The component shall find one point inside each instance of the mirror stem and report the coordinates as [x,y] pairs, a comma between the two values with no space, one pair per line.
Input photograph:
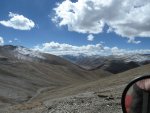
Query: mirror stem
[146,102]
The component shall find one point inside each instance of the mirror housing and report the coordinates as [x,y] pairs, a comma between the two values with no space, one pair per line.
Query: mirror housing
[136,96]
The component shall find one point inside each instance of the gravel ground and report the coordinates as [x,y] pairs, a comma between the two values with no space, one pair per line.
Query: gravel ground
[88,102]
[103,101]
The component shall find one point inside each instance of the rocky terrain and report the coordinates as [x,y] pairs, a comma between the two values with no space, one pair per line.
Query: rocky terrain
[34,82]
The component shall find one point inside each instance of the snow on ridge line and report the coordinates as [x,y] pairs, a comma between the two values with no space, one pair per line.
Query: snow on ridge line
[23,53]
[28,52]
[134,57]
[124,57]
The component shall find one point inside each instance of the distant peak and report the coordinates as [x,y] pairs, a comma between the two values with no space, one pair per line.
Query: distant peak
[11,47]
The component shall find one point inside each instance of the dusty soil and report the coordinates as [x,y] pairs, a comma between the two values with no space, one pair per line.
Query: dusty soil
[104,101]
[101,96]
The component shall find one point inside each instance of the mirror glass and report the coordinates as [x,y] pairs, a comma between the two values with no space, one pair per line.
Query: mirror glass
[136,97]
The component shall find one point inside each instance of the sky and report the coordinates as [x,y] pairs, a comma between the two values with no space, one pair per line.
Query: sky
[77,26]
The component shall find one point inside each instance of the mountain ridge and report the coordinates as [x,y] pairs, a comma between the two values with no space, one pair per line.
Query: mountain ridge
[113,63]
[33,83]
[22,74]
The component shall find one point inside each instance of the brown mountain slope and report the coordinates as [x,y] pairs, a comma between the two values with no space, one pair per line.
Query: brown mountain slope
[88,97]
[118,79]
[23,74]
[56,85]
[104,83]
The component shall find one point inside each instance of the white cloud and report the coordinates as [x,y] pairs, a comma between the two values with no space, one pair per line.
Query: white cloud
[63,49]
[77,16]
[14,40]
[132,40]
[19,22]
[127,18]
[10,41]
[101,42]
[98,49]
[1,41]
[90,37]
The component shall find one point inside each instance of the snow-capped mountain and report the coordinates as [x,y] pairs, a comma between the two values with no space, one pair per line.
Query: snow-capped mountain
[20,53]
[24,72]
[112,63]
[134,57]
[15,54]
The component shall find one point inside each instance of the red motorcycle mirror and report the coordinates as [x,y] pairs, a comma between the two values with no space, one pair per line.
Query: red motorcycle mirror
[136,96]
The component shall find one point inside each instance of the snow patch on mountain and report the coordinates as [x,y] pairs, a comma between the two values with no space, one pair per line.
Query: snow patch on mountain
[24,53]
[134,57]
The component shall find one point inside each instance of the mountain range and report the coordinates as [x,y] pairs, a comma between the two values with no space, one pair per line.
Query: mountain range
[112,63]
[31,80]
[23,72]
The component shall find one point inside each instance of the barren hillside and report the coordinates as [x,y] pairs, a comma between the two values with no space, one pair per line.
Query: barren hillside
[24,72]
[33,82]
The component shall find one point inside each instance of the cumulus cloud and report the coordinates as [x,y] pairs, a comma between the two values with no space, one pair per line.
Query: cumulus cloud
[1,41]
[90,37]
[132,40]
[64,49]
[89,50]
[127,18]
[10,41]
[19,22]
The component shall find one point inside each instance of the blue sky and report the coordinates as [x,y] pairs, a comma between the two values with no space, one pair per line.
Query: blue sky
[41,12]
